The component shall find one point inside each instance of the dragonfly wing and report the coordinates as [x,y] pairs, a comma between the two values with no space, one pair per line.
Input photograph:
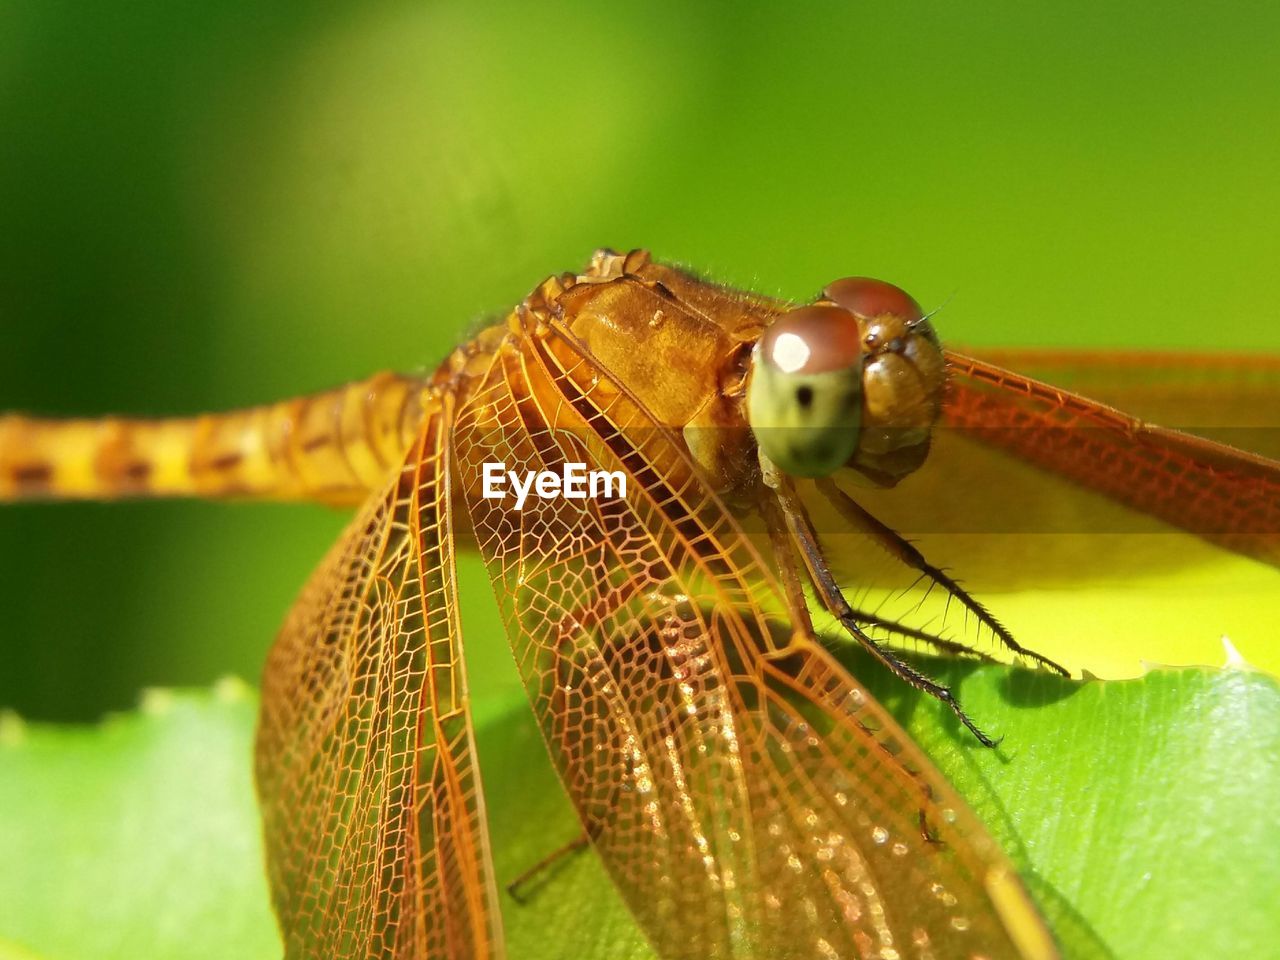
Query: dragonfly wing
[366,768]
[747,796]
[1234,399]
[1222,493]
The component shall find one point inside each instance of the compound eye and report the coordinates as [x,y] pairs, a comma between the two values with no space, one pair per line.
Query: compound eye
[812,340]
[887,312]
[868,298]
[804,400]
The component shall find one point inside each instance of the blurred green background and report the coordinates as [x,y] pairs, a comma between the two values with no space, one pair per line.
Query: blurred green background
[208,205]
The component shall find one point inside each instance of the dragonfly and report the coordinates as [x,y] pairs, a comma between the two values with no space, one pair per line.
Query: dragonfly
[747,795]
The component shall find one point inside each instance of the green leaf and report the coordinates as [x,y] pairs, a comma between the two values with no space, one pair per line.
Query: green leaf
[1141,813]
[137,838]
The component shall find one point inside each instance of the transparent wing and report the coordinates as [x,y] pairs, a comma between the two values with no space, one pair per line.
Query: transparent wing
[1232,398]
[366,769]
[748,797]
[1223,493]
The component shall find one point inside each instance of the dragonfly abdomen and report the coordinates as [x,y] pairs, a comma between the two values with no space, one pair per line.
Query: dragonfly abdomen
[333,447]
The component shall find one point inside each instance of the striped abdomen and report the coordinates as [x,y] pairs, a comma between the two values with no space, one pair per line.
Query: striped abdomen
[332,447]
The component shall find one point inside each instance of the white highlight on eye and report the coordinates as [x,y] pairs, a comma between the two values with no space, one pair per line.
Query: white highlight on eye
[790,352]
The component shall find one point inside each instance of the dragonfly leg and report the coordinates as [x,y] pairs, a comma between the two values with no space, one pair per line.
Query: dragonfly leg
[901,548]
[790,576]
[941,644]
[796,603]
[799,612]
[832,599]
[545,868]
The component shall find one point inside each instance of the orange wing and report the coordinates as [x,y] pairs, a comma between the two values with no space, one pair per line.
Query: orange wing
[1233,398]
[370,793]
[1220,492]
[747,796]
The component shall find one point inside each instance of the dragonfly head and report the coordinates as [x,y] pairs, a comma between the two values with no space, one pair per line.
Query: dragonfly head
[854,379]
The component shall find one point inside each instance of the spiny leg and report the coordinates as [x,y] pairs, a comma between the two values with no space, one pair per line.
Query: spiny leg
[832,599]
[941,644]
[798,609]
[778,539]
[907,553]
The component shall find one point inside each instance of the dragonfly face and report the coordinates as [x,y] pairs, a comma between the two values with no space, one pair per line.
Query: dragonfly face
[853,380]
